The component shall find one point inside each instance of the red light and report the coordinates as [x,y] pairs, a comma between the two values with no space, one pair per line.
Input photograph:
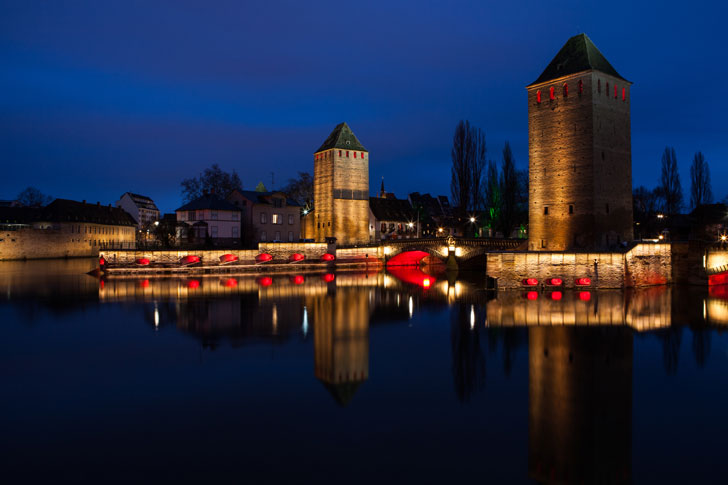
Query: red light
[538,96]
[624,94]
[230,283]
[296,257]
[190,259]
[298,279]
[530,282]
[583,282]
[581,86]
[532,295]
[144,284]
[102,261]
[193,284]
[426,283]
[265,281]
[329,277]
[556,295]
[551,93]
[101,284]
[142,262]
[566,90]
[228,258]
[328,257]
[584,295]
[615,91]
[264,258]
[555,281]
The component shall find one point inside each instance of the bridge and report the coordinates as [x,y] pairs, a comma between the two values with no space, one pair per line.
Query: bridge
[407,252]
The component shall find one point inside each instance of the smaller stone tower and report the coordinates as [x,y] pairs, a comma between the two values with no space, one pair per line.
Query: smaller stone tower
[341,188]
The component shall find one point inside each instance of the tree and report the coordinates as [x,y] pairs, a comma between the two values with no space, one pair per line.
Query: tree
[700,192]
[212,180]
[493,200]
[260,187]
[670,182]
[32,197]
[468,160]
[301,189]
[509,191]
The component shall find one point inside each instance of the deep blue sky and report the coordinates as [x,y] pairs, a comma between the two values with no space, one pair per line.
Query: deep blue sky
[136,95]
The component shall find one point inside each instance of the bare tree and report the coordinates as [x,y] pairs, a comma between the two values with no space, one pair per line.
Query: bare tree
[32,197]
[213,180]
[700,192]
[509,191]
[493,200]
[468,160]
[670,182]
[301,189]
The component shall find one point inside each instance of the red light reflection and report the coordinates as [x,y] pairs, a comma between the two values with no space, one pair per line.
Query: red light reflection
[556,295]
[585,295]
[298,279]
[413,276]
[193,284]
[230,283]
[265,281]
[329,277]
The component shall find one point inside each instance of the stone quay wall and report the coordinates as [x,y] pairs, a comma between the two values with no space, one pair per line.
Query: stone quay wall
[643,265]
[43,243]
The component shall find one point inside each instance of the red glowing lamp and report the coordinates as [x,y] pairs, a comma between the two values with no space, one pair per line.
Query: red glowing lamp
[265,281]
[426,283]
[296,257]
[584,295]
[228,258]
[329,277]
[532,295]
[555,282]
[298,279]
[193,284]
[328,257]
[263,258]
[190,259]
[230,283]
[142,262]
[530,282]
[583,282]
[556,295]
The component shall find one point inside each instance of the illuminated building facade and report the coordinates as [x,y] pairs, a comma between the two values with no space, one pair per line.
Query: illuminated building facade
[580,155]
[341,188]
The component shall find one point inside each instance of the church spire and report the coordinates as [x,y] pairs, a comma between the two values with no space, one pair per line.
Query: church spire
[382,193]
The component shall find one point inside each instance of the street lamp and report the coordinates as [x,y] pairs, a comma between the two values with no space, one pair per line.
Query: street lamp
[472,219]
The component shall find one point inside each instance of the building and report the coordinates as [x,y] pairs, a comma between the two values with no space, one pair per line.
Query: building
[64,228]
[391,218]
[341,188]
[435,214]
[211,219]
[142,208]
[267,216]
[580,162]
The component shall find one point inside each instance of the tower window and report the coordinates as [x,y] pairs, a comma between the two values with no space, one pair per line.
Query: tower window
[599,85]
[606,91]
[538,96]
[354,154]
[615,91]
[606,207]
[581,87]
[546,210]
[566,90]
[347,153]
[571,209]
[339,152]
[551,93]
[624,94]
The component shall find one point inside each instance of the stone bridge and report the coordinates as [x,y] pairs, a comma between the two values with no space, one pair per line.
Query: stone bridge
[406,252]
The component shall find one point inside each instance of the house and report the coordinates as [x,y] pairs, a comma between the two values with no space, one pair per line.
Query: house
[267,216]
[142,208]
[435,214]
[391,218]
[211,219]
[64,228]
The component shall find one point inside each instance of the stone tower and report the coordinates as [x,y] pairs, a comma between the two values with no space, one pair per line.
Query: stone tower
[580,152]
[341,188]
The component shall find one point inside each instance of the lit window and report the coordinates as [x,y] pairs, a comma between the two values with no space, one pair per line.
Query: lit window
[354,154]
[566,90]
[275,219]
[551,93]
[581,87]
[290,219]
[339,152]
[624,94]
[347,153]
[538,96]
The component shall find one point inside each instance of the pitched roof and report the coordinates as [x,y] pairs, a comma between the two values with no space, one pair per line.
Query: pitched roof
[342,137]
[343,392]
[264,197]
[211,202]
[141,200]
[385,209]
[64,210]
[577,55]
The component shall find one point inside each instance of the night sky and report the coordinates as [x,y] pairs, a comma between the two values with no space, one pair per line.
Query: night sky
[137,95]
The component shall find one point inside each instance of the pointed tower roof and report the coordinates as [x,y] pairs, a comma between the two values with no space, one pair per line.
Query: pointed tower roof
[382,193]
[342,137]
[578,54]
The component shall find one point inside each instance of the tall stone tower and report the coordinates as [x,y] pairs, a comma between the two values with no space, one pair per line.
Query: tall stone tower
[341,188]
[580,152]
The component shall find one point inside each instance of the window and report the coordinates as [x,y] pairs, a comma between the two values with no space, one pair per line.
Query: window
[347,153]
[566,90]
[615,91]
[571,209]
[354,154]
[581,87]
[276,219]
[339,152]
[538,96]
[543,243]
[213,215]
[551,93]
[290,219]
[277,236]
[263,218]
[290,236]
[263,236]
[235,231]
[546,210]
[277,202]
[329,223]
[213,231]
[319,225]
[624,94]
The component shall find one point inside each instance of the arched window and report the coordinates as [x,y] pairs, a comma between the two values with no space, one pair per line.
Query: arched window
[599,86]
[581,87]
[551,93]
[624,94]
[538,96]
[566,90]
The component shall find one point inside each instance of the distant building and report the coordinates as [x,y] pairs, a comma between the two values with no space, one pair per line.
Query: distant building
[391,218]
[142,208]
[341,188]
[267,216]
[580,155]
[63,228]
[8,203]
[434,214]
[211,219]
